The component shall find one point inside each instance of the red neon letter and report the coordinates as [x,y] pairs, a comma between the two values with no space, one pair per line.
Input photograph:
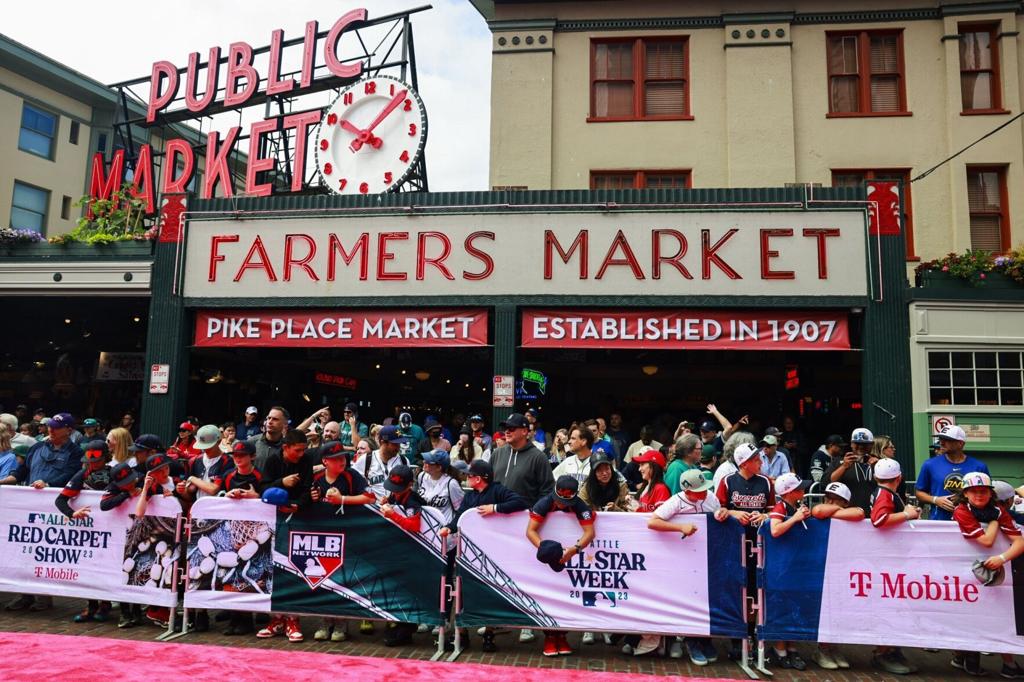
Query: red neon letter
[334,64]
[629,258]
[767,254]
[438,262]
[673,260]
[217,163]
[257,163]
[142,185]
[335,247]
[192,100]
[263,263]
[275,85]
[708,255]
[215,256]
[101,187]
[383,256]
[308,50]
[550,240]
[158,100]
[301,123]
[240,66]
[821,234]
[481,256]
[176,185]
[303,262]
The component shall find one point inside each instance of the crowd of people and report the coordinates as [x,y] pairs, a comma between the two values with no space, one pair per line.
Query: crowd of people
[714,466]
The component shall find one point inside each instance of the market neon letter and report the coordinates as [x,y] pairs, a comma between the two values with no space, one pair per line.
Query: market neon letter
[240,66]
[422,261]
[215,256]
[257,163]
[290,260]
[581,243]
[335,247]
[481,256]
[629,258]
[673,260]
[334,64]
[192,100]
[177,147]
[217,163]
[383,256]
[821,234]
[709,255]
[157,99]
[767,254]
[261,263]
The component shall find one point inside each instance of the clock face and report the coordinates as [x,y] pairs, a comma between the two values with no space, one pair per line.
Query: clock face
[371,136]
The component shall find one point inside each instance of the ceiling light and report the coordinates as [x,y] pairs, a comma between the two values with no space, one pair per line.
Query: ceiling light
[422,375]
[215,378]
[135,319]
[67,320]
[403,371]
[649,370]
[305,396]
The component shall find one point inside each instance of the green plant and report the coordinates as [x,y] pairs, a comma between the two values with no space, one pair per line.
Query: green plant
[1012,264]
[972,266]
[121,217]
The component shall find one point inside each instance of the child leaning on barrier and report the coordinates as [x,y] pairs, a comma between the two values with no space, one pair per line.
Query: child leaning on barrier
[124,485]
[981,519]
[788,511]
[836,505]
[889,508]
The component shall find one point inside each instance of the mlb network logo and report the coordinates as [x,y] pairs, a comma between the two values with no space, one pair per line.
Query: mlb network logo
[316,556]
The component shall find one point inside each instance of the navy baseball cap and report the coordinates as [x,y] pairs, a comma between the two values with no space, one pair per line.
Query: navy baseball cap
[533,412]
[391,434]
[431,423]
[566,488]
[146,441]
[243,447]
[399,479]
[516,421]
[157,461]
[550,552]
[63,420]
[124,474]
[708,426]
[332,450]
[476,418]
[479,467]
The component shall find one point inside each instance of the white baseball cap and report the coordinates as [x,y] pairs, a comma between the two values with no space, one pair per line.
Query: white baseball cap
[207,436]
[1004,491]
[862,436]
[977,479]
[743,452]
[953,432]
[887,469]
[251,410]
[787,483]
[839,490]
[694,480]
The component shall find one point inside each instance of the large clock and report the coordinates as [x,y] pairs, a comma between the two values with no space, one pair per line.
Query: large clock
[371,137]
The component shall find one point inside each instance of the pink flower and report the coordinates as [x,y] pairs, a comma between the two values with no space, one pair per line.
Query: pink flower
[945,268]
[982,275]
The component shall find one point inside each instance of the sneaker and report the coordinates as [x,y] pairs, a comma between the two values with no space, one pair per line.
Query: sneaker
[675,650]
[889,664]
[824,660]
[693,650]
[526,635]
[365,627]
[126,622]
[42,604]
[563,646]
[422,627]
[1014,672]
[158,615]
[20,603]
[710,651]
[273,628]
[839,658]
[648,644]
[797,661]
[627,649]
[972,664]
[340,633]
[588,638]
[608,638]
[397,637]
[897,654]
[291,628]
[550,645]
[782,660]
[83,617]
[322,635]
[957,661]
[488,646]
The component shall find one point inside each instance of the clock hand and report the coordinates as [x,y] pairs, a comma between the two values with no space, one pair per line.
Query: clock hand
[392,105]
[361,135]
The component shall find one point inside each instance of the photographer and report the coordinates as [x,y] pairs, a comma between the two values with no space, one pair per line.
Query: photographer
[855,470]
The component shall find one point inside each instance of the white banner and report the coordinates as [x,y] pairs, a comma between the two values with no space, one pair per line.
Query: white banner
[108,555]
[631,579]
[230,562]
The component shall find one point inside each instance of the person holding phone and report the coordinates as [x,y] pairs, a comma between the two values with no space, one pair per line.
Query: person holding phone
[855,470]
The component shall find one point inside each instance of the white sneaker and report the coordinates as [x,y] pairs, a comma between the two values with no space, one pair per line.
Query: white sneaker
[607,638]
[422,627]
[838,657]
[588,638]
[627,649]
[648,644]
[676,649]
[824,660]
[526,635]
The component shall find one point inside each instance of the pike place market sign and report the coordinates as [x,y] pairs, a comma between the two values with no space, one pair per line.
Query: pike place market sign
[590,254]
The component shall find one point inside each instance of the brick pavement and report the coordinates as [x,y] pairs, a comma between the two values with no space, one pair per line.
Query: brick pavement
[599,657]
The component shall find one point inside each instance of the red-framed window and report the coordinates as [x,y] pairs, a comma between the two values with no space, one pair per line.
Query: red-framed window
[980,86]
[866,74]
[989,208]
[854,177]
[634,79]
[640,179]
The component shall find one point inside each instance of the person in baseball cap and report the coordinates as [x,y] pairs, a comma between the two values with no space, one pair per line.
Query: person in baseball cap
[653,490]
[391,434]
[403,507]
[941,476]
[788,511]
[830,451]
[888,507]
[854,469]
[204,475]
[477,433]
[550,552]
[836,505]
[746,494]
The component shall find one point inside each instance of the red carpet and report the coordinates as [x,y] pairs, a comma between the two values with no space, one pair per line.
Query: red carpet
[33,657]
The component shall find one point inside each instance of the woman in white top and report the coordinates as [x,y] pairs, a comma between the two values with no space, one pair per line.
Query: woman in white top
[467,449]
[438,487]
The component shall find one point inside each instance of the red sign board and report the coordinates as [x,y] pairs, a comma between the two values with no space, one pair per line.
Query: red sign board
[884,208]
[686,329]
[336,380]
[341,329]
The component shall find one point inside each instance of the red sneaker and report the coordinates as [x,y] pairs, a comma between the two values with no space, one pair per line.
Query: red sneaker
[274,627]
[550,645]
[291,628]
[563,646]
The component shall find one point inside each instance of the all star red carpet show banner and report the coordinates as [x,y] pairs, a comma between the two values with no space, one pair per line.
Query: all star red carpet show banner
[686,329]
[337,328]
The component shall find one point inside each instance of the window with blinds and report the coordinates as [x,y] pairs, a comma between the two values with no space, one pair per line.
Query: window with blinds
[980,90]
[640,179]
[636,78]
[986,201]
[857,177]
[865,73]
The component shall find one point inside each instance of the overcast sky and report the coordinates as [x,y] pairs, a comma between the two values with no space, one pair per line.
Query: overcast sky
[116,40]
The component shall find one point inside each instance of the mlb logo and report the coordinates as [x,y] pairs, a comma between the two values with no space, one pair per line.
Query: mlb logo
[591,598]
[316,555]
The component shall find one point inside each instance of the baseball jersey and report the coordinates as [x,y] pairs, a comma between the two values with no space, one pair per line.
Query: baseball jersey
[406,507]
[782,510]
[940,477]
[348,483]
[681,504]
[93,480]
[970,525]
[235,480]
[753,494]
[883,503]
[375,470]
[211,471]
[653,497]
[546,505]
[445,494]
[575,467]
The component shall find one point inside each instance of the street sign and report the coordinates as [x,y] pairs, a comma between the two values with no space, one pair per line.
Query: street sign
[504,391]
[159,377]
[941,421]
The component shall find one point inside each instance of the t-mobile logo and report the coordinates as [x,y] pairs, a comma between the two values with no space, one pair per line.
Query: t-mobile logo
[860,583]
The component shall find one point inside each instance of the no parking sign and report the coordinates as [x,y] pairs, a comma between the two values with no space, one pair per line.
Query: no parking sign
[941,421]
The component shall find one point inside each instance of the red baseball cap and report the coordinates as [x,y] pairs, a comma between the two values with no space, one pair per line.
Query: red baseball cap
[187,426]
[650,455]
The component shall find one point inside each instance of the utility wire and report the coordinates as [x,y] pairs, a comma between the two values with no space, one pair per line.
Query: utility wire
[948,159]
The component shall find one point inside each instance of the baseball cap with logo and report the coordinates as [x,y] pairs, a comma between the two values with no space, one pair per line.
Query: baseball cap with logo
[332,450]
[953,432]
[835,439]
[650,455]
[839,490]
[399,479]
[787,483]
[186,426]
[743,452]
[479,467]
[146,441]
[977,479]
[516,421]
[694,481]
[887,469]
[157,461]
[566,488]
[770,440]
[207,436]
[708,426]
[62,420]
[772,431]
[251,410]
[90,422]
[391,434]
[550,552]
[477,418]
[862,436]
[124,474]
[94,451]
[243,447]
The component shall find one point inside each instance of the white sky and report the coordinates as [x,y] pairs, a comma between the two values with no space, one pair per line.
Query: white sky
[116,40]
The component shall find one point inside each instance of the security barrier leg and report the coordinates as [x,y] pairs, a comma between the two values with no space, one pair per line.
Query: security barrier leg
[744,661]
[759,606]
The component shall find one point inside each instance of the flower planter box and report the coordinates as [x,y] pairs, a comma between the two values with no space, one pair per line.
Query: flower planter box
[936,279]
[128,250]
